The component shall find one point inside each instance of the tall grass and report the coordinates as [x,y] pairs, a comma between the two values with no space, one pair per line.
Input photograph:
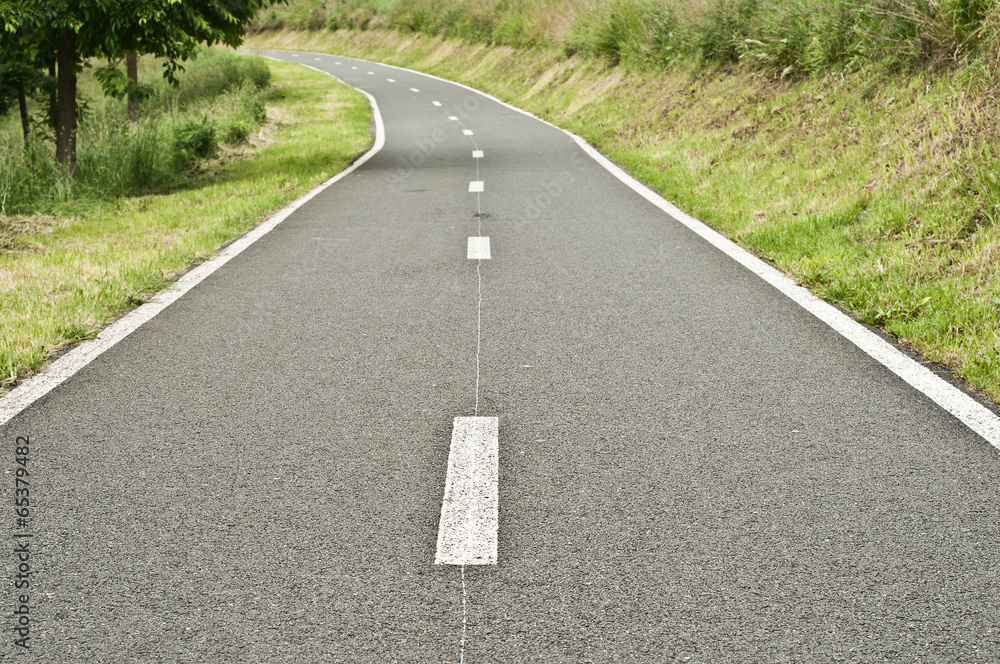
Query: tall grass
[219,98]
[781,37]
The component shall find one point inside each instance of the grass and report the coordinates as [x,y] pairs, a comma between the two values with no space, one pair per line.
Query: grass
[63,277]
[878,192]
[776,36]
[220,100]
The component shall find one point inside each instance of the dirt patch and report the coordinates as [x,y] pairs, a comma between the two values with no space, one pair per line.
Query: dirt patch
[14,231]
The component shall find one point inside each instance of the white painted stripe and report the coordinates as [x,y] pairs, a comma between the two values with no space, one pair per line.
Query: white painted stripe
[477,154]
[476,186]
[467,533]
[414,90]
[453,118]
[34,388]
[371,73]
[318,59]
[353,67]
[436,103]
[467,132]
[479,248]
[391,80]
[338,63]
[295,55]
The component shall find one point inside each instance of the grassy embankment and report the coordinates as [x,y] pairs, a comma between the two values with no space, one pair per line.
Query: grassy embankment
[854,145]
[148,201]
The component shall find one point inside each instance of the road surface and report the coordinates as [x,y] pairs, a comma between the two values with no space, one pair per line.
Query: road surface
[692,466]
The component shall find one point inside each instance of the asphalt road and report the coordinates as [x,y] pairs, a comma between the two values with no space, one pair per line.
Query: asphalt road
[693,468]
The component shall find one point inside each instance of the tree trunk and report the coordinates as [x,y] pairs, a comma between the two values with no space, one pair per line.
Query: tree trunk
[22,104]
[132,69]
[66,124]
[53,99]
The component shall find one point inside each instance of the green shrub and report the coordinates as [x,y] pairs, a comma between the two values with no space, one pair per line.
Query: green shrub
[193,140]
[780,37]
[207,76]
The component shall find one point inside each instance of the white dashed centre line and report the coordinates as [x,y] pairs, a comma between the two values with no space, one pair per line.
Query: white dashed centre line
[477,154]
[391,80]
[453,118]
[479,248]
[371,73]
[317,59]
[338,63]
[476,186]
[467,533]
[414,90]
[436,103]
[353,67]
[467,132]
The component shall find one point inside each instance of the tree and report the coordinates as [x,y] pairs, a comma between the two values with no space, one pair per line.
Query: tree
[25,50]
[83,29]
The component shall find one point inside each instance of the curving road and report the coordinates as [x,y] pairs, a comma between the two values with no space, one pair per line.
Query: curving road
[692,466]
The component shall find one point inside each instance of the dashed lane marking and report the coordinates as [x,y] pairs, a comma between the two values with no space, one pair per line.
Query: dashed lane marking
[414,90]
[479,248]
[467,532]
[477,154]
[476,186]
[467,132]
[436,103]
[963,407]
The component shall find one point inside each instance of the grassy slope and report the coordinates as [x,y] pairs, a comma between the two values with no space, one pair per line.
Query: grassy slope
[873,192]
[62,286]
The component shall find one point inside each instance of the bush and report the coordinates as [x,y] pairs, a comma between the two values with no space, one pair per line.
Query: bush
[192,140]
[780,37]
[210,74]
[239,112]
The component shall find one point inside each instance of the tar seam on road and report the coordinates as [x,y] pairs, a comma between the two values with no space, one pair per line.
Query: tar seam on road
[34,388]
[479,263]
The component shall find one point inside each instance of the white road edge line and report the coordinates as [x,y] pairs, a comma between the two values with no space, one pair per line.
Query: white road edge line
[467,532]
[967,410]
[34,388]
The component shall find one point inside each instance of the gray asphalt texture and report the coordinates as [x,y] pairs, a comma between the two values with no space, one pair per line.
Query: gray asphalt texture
[692,468]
